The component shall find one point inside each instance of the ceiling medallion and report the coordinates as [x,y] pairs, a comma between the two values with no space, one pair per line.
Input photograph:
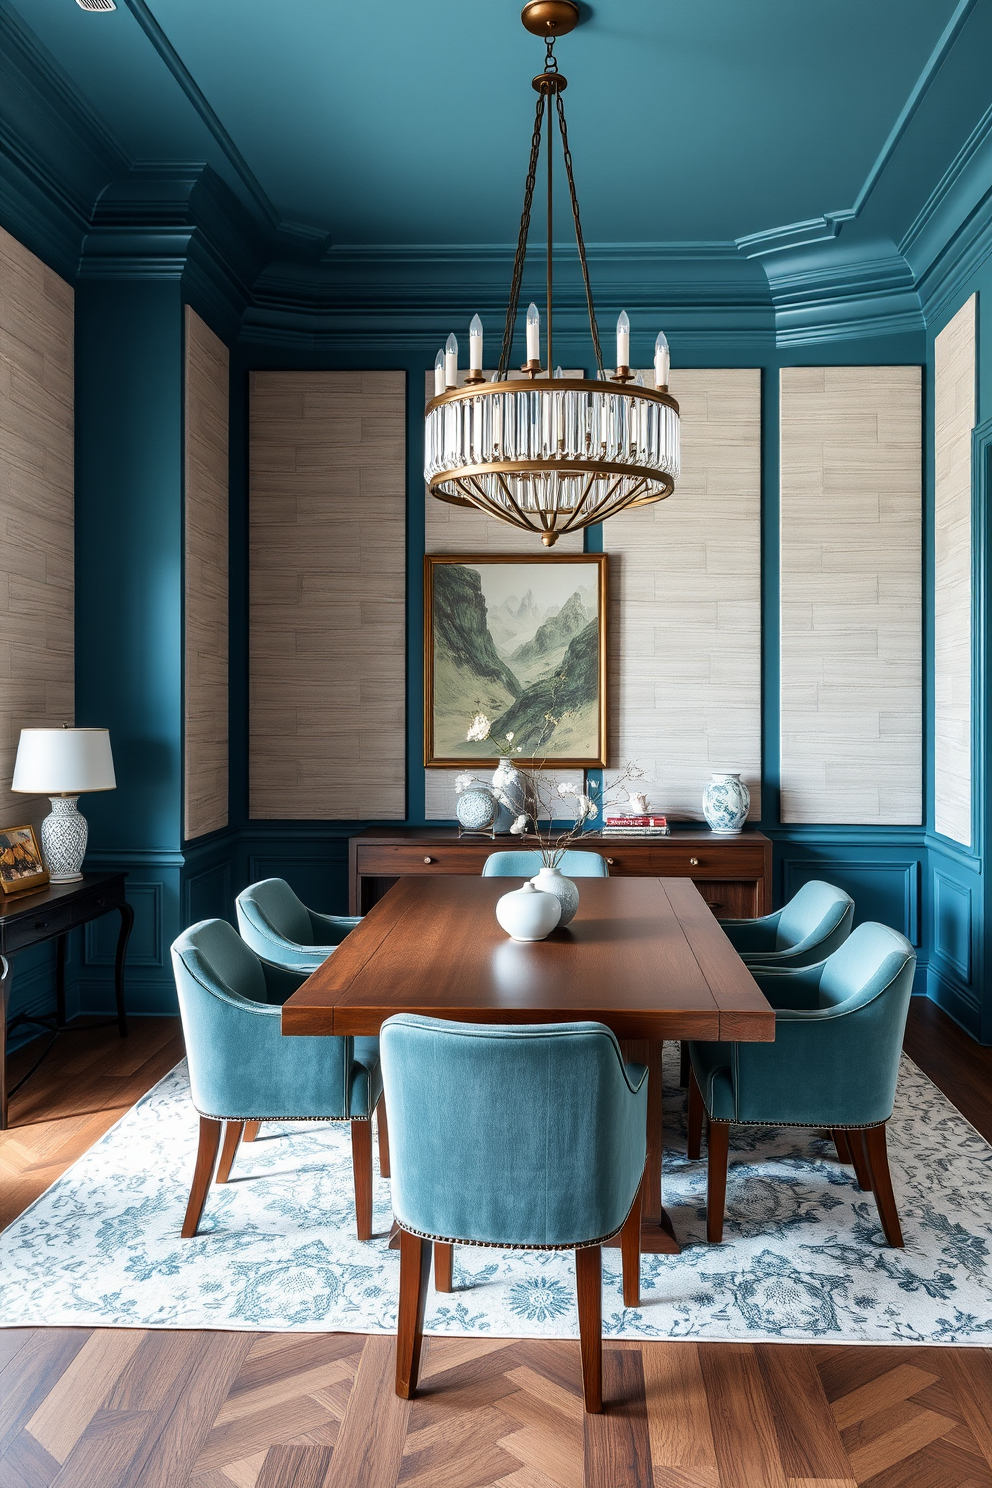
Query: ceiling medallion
[551,454]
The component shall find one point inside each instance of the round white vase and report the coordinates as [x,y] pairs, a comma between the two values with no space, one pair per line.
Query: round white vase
[528,913]
[726,800]
[551,881]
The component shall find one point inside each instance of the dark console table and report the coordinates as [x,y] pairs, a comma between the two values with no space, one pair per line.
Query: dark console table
[733,874]
[49,914]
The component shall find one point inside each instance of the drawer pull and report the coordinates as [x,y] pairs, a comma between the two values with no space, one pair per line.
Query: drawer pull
[693,862]
[610,862]
[428,860]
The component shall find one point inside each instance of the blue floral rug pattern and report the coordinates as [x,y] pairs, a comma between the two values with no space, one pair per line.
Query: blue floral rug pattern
[803,1257]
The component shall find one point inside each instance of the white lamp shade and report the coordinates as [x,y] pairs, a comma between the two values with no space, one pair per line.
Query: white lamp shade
[63,761]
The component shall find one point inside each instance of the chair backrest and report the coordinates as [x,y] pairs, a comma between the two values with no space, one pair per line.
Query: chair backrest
[270,905]
[213,953]
[819,916]
[511,1135]
[527,862]
[870,960]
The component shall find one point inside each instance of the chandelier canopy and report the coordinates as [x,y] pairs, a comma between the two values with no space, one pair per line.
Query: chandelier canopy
[549,453]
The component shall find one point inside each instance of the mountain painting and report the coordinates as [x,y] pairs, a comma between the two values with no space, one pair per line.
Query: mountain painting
[522,640]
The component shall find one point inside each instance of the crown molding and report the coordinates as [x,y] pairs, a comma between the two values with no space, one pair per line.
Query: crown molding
[949,278]
[823,228]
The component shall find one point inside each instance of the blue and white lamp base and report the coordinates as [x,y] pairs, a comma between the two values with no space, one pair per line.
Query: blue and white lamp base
[63,840]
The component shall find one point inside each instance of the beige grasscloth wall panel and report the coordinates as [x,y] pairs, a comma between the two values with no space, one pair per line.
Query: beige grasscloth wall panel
[36,509]
[954,419]
[685,639]
[328,595]
[206,724]
[455,529]
[851,729]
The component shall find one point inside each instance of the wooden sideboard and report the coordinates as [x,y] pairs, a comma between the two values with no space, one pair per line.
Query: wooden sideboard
[733,874]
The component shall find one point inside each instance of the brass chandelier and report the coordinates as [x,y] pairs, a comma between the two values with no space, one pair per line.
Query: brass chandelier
[552,454]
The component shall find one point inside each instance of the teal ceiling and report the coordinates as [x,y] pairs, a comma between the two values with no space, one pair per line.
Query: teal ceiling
[402,123]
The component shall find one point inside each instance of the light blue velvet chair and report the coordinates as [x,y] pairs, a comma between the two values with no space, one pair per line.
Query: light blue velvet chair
[279,927]
[527,862]
[835,1062]
[814,923]
[525,1137]
[243,1071]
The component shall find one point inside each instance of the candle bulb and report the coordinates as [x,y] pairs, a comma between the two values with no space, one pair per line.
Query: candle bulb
[475,344]
[623,340]
[533,333]
[451,362]
[439,374]
[662,361]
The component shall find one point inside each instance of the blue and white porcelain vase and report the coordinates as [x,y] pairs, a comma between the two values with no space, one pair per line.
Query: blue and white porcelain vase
[550,881]
[726,800]
[511,793]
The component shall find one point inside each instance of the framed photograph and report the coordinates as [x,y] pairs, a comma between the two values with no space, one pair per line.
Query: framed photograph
[21,863]
[523,641]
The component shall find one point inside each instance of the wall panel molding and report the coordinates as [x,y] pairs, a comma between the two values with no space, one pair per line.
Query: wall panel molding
[954,419]
[207,414]
[685,611]
[851,600]
[36,509]
[327,584]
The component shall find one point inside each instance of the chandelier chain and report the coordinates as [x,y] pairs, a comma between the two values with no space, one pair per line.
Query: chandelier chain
[521,253]
[579,241]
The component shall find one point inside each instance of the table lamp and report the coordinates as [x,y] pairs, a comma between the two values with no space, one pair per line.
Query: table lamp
[62,763]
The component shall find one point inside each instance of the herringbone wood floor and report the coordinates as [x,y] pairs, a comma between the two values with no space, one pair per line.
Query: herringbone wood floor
[118,1409]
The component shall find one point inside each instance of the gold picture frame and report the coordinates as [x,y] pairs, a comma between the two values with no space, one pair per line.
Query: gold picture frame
[530,673]
[21,865]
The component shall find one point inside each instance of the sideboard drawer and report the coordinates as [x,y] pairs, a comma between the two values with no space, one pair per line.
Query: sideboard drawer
[403,860]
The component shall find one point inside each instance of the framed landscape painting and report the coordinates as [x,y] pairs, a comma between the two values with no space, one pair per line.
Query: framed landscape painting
[523,641]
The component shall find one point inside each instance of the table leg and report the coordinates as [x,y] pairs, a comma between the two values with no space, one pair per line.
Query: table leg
[61,946]
[6,978]
[127,922]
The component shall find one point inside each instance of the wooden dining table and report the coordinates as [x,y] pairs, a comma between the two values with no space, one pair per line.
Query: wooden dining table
[645,956]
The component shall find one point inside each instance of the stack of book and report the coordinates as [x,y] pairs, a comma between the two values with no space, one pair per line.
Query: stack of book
[635,826]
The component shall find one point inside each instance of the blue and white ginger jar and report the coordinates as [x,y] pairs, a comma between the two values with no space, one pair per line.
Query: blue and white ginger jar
[726,801]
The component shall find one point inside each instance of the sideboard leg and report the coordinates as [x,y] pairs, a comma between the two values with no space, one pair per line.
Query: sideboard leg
[127,923]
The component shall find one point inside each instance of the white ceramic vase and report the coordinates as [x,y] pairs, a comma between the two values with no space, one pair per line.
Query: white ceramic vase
[551,881]
[528,913]
[726,800]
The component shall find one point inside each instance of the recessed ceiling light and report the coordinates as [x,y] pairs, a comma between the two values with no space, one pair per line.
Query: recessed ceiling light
[96,4]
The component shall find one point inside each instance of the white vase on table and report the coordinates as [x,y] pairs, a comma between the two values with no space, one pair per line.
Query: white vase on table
[528,913]
[552,881]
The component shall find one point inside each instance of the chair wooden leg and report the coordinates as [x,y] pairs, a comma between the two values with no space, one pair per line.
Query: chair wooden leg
[589,1290]
[229,1150]
[206,1157]
[718,1150]
[881,1181]
[862,1170]
[685,1064]
[443,1257]
[361,1163]
[842,1145]
[695,1117]
[382,1131]
[630,1252]
[415,1266]
[250,1131]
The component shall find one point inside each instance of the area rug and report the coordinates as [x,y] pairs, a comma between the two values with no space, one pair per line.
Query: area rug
[803,1259]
